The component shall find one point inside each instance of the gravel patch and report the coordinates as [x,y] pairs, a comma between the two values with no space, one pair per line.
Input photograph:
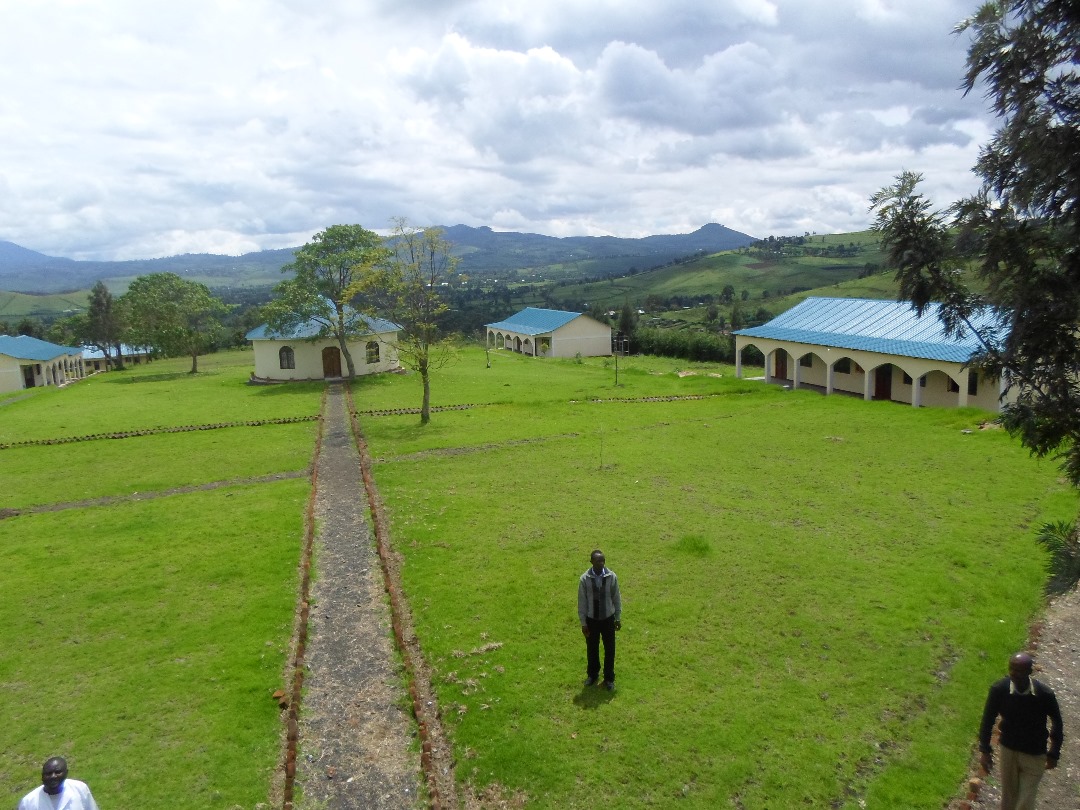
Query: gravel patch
[1056,647]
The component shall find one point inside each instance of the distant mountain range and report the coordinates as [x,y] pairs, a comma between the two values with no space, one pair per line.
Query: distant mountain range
[483,252]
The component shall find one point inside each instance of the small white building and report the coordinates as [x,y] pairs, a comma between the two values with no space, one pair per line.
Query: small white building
[301,354]
[27,362]
[95,359]
[873,349]
[551,333]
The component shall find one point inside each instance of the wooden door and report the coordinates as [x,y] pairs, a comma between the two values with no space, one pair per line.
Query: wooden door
[331,361]
[780,365]
[883,382]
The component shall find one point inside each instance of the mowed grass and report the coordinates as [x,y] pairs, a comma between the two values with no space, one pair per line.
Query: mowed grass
[143,640]
[817,591]
[159,394]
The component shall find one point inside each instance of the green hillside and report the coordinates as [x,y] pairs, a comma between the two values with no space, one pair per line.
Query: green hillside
[14,306]
[767,270]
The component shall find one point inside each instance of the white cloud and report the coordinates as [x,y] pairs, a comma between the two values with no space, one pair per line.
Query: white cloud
[135,129]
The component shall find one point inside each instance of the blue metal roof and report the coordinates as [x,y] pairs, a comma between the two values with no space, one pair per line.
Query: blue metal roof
[534,321]
[91,353]
[885,327]
[24,347]
[312,329]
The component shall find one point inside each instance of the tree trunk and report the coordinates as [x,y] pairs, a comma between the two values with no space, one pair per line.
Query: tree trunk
[119,364]
[425,408]
[194,363]
[348,357]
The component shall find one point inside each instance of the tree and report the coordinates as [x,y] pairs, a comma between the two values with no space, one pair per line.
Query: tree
[738,317]
[628,320]
[70,331]
[728,295]
[405,288]
[29,327]
[105,324]
[173,315]
[326,270]
[1019,235]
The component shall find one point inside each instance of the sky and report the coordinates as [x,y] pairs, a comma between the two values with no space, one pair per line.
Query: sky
[135,129]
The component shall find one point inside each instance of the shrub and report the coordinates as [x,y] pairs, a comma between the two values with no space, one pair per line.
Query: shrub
[1061,540]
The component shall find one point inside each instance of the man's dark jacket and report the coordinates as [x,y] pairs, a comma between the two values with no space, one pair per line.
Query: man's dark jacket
[1023,719]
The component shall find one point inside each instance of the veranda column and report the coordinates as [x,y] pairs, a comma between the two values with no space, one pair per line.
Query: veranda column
[738,362]
[962,395]
[828,378]
[867,386]
[916,392]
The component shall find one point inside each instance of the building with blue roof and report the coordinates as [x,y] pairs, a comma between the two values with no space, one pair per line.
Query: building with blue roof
[550,333]
[97,360]
[876,350]
[28,362]
[307,352]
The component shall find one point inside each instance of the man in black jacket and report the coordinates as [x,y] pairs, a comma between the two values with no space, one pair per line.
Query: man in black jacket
[1024,705]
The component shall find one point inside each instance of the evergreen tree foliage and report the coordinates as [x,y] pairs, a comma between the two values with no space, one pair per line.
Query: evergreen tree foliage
[1019,233]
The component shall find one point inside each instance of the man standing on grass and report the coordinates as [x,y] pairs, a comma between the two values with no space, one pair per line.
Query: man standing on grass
[599,608]
[1024,705]
[57,792]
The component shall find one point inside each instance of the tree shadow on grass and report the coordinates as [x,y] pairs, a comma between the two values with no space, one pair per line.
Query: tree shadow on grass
[125,379]
[593,697]
[289,389]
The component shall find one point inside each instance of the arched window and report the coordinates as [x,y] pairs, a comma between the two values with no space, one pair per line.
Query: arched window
[286,358]
[372,351]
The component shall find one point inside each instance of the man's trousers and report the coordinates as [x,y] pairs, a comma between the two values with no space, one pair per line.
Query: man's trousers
[601,629]
[1020,776]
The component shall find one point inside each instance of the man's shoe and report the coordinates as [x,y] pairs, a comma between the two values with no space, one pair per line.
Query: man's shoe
[589,682]
[609,685]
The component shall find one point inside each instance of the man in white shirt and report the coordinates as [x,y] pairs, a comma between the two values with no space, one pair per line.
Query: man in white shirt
[57,792]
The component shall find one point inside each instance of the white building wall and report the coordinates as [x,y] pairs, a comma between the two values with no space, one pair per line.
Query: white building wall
[583,335]
[11,376]
[307,356]
[934,393]
[63,369]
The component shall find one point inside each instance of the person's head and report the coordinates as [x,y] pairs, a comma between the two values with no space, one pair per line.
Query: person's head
[53,774]
[1020,667]
[597,559]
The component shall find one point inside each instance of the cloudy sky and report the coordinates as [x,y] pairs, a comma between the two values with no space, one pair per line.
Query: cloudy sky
[136,128]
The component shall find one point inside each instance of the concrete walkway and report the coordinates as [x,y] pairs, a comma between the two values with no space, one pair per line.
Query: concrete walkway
[357,744]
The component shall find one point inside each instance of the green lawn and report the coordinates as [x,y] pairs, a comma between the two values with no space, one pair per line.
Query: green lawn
[143,640]
[817,590]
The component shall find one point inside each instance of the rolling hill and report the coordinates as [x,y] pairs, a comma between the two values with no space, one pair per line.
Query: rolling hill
[482,251]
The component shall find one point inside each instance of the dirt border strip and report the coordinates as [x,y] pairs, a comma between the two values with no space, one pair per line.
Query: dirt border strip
[294,673]
[127,434]
[436,753]
[108,500]
[467,406]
